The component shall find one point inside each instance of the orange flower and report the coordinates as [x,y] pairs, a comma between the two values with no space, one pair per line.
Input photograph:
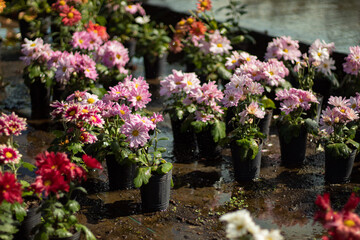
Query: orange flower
[2,5]
[197,28]
[204,5]
[99,30]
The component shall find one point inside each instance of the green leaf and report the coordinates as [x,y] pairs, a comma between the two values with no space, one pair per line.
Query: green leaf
[20,212]
[311,126]
[165,168]
[75,148]
[267,103]
[142,176]
[63,233]
[28,166]
[101,20]
[353,143]
[163,138]
[338,150]
[88,234]
[248,148]
[24,184]
[224,73]
[59,214]
[198,126]
[58,133]
[73,205]
[161,149]
[218,130]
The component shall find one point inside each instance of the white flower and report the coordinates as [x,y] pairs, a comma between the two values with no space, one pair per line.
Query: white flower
[268,235]
[326,66]
[239,223]
[142,20]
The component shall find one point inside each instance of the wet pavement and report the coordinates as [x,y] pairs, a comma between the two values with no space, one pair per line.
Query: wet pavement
[304,20]
[204,189]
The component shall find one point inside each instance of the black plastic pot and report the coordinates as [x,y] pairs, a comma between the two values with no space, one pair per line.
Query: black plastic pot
[338,170]
[75,236]
[293,153]
[120,176]
[33,218]
[245,170]
[153,69]
[206,145]
[155,195]
[184,142]
[40,100]
[131,46]
[265,123]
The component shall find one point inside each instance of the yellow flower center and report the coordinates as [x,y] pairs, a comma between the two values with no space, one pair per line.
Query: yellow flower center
[64,69]
[33,45]
[118,56]
[231,98]
[190,20]
[342,110]
[138,98]
[81,41]
[122,112]
[91,100]
[135,133]
[353,105]
[8,155]
[72,113]
[349,223]
[182,23]
[219,45]
[93,119]
[47,183]
[85,111]
[233,61]
[271,73]
[70,15]
[136,85]
[153,119]
[189,83]
[325,65]
[286,50]
[130,6]
[204,4]
[319,54]
[62,3]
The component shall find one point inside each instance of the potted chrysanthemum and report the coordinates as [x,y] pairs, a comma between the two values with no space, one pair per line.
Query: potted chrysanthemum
[242,94]
[351,67]
[337,122]
[57,178]
[293,126]
[37,77]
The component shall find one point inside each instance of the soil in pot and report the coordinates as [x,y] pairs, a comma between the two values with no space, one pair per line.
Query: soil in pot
[155,195]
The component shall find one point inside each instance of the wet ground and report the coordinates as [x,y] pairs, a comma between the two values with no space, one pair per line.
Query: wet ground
[304,20]
[204,189]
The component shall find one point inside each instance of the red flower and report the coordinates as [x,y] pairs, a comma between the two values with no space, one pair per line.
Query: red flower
[323,201]
[10,189]
[70,16]
[197,28]
[73,172]
[50,182]
[204,5]
[59,5]
[176,46]
[352,203]
[49,162]
[99,30]
[91,162]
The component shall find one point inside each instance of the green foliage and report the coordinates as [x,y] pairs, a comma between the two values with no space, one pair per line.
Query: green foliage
[248,148]
[338,150]
[288,131]
[142,176]
[8,225]
[218,130]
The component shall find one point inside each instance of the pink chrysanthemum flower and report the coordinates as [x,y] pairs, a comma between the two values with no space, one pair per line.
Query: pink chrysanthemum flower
[203,116]
[251,111]
[132,9]
[210,93]
[283,48]
[294,99]
[123,111]
[12,124]
[136,133]
[231,97]
[113,54]
[9,155]
[219,44]
[338,101]
[139,98]
[73,112]
[65,67]
[354,103]
[352,64]
[156,118]
[88,138]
